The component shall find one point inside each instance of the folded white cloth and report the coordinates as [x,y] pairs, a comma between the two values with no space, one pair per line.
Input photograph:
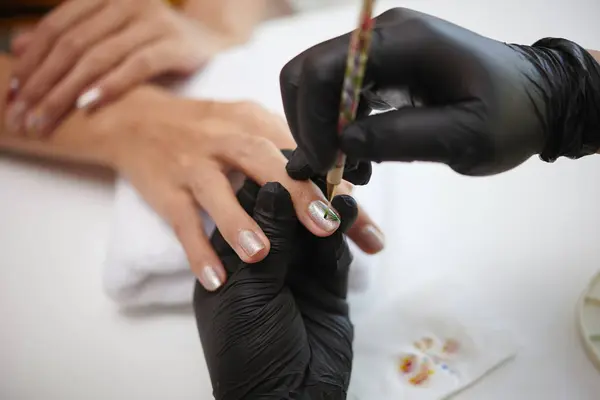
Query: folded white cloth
[430,343]
[147,266]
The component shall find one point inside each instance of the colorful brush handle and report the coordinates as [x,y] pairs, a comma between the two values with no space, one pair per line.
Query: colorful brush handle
[353,79]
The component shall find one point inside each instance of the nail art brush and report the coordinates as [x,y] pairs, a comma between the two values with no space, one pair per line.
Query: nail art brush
[353,78]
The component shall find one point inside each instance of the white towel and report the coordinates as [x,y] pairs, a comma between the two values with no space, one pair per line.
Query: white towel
[405,337]
[146,265]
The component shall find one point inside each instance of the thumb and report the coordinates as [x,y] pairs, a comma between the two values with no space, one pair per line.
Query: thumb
[438,134]
[274,212]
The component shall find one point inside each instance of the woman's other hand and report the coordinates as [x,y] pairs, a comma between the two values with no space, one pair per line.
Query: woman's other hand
[179,157]
[280,328]
[88,52]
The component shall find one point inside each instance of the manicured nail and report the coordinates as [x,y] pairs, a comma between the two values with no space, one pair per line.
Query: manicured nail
[324,216]
[250,242]
[34,123]
[14,117]
[373,238]
[13,88]
[89,98]
[210,279]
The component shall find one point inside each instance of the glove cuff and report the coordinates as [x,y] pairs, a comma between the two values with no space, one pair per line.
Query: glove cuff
[572,101]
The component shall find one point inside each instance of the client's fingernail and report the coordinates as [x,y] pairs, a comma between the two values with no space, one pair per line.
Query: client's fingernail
[250,242]
[373,238]
[34,123]
[324,216]
[14,117]
[210,279]
[13,88]
[89,98]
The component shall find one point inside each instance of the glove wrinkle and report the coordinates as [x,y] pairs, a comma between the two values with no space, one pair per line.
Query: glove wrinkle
[278,327]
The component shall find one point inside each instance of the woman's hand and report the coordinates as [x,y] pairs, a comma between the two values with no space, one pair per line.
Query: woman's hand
[87,52]
[179,156]
[280,328]
[177,153]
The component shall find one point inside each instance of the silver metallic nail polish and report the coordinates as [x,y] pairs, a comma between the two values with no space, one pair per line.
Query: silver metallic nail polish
[317,210]
[373,237]
[89,98]
[250,242]
[210,279]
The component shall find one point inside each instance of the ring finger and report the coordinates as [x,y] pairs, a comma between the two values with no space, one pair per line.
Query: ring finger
[263,162]
[181,212]
[214,194]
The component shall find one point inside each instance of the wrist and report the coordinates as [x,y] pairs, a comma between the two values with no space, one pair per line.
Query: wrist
[572,77]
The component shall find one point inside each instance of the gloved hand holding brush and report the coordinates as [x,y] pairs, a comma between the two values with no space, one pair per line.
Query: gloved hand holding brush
[483,106]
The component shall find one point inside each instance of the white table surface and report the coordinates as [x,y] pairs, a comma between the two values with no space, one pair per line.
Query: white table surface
[527,240]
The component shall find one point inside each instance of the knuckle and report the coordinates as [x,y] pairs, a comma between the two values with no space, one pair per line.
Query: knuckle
[289,74]
[258,145]
[129,7]
[248,109]
[409,21]
[246,149]
[163,20]
[393,14]
[94,59]
[475,152]
[203,186]
[143,63]
[314,70]
[70,45]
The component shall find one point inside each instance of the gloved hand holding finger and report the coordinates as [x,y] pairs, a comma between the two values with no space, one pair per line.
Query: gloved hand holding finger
[280,328]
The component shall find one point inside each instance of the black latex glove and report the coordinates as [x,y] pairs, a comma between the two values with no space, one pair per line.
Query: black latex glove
[487,106]
[279,329]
